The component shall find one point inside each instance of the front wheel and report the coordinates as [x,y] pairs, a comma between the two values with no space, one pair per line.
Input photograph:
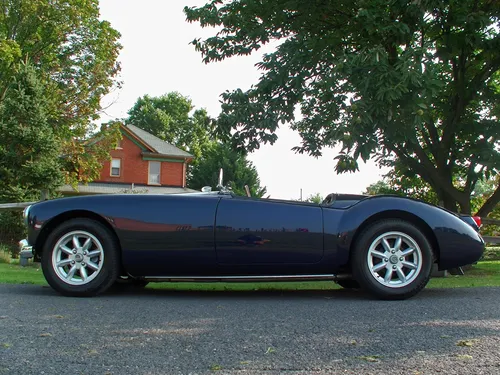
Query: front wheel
[392,259]
[80,258]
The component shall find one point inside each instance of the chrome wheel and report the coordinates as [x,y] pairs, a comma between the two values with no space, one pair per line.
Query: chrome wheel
[394,259]
[77,258]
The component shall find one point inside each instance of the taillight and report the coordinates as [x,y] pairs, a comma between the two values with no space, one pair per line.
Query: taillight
[477,220]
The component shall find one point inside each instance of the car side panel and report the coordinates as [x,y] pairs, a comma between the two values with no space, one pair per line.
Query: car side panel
[257,235]
[335,258]
[459,244]
[159,234]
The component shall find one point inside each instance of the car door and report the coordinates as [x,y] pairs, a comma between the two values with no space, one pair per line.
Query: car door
[168,235]
[263,231]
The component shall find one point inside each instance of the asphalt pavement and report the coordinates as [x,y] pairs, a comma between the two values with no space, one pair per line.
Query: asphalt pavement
[150,332]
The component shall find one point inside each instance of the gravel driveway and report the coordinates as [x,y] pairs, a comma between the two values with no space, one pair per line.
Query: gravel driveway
[335,332]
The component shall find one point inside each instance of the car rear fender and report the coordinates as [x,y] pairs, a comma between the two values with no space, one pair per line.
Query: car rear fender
[454,242]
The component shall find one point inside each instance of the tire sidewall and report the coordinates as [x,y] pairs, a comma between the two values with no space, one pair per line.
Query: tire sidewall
[109,271]
[362,273]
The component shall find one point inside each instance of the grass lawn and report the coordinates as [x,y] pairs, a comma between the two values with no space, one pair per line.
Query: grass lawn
[486,273]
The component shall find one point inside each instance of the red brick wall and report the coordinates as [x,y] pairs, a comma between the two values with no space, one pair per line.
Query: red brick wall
[171,174]
[135,170]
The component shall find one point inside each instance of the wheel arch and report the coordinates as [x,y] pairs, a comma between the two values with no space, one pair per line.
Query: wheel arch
[403,215]
[53,223]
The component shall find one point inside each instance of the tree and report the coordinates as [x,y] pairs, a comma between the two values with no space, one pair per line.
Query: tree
[238,171]
[397,183]
[411,83]
[29,149]
[169,117]
[74,56]
[315,198]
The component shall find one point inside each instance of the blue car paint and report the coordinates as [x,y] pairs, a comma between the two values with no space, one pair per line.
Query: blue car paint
[207,235]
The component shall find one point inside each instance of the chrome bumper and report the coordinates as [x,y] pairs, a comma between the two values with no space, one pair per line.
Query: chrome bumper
[25,250]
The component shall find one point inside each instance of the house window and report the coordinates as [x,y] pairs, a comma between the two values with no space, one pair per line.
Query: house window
[154,172]
[116,167]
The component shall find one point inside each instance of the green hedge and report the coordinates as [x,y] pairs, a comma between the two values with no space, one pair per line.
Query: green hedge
[492,253]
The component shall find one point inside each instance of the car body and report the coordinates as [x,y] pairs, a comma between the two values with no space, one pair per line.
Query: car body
[218,236]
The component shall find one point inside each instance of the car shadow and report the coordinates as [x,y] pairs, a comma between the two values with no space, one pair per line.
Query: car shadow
[334,294]
[247,294]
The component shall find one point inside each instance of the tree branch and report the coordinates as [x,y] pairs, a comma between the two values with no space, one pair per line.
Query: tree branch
[490,203]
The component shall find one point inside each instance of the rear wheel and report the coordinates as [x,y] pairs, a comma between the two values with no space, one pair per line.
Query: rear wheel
[80,258]
[392,259]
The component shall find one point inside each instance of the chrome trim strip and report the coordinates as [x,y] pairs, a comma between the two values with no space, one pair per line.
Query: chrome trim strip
[242,278]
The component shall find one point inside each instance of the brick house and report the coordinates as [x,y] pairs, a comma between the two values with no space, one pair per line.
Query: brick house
[141,163]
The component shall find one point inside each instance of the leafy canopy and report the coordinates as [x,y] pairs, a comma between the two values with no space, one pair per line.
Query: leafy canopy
[412,83]
[315,198]
[29,149]
[74,57]
[173,118]
[238,171]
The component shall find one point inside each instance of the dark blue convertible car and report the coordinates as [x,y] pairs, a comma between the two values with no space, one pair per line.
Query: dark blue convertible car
[386,245]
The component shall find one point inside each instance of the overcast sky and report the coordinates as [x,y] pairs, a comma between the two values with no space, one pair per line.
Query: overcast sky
[157,58]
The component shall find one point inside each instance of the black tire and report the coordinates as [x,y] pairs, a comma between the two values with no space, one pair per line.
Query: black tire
[348,284]
[402,281]
[98,280]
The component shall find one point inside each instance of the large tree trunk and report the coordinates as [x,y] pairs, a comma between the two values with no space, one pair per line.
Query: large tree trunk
[445,200]
[490,204]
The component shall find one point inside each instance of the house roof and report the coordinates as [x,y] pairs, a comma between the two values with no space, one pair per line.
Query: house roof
[156,144]
[120,188]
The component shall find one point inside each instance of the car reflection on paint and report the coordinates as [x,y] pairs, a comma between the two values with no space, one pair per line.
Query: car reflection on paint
[251,239]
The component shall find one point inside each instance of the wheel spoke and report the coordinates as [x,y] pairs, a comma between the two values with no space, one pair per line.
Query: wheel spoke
[388,275]
[92,266]
[407,252]
[88,243]
[64,263]
[95,253]
[71,273]
[401,274]
[66,249]
[83,273]
[386,245]
[378,267]
[76,242]
[409,265]
[397,245]
[378,254]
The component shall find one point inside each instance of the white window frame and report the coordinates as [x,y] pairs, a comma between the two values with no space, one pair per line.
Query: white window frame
[154,179]
[112,167]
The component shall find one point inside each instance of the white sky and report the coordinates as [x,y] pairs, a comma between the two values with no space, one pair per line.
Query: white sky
[157,58]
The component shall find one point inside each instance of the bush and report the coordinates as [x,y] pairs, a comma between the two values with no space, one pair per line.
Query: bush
[4,253]
[491,253]
[11,231]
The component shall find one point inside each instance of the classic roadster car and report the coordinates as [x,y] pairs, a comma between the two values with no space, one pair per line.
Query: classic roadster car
[386,245]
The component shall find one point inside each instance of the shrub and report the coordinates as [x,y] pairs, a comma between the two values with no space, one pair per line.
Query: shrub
[4,253]
[11,231]
[491,253]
